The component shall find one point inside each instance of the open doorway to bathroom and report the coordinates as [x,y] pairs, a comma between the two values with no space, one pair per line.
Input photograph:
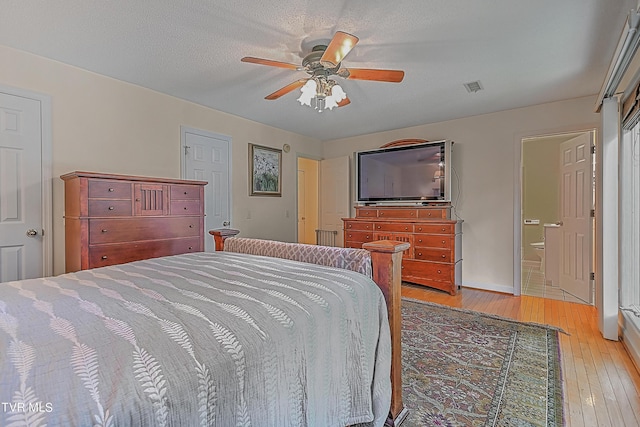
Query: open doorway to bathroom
[558,195]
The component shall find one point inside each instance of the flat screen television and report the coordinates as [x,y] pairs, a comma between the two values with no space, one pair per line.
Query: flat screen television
[406,173]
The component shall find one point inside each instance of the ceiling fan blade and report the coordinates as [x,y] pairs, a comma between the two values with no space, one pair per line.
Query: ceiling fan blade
[270,63]
[340,45]
[393,76]
[285,90]
[344,102]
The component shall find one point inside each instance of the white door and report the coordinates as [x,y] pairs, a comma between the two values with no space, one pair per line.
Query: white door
[208,158]
[21,221]
[302,219]
[575,214]
[335,201]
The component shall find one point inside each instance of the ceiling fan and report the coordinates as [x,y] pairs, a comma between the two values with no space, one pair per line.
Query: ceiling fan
[322,62]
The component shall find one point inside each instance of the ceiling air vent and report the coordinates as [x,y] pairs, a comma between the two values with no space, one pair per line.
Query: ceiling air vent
[473,87]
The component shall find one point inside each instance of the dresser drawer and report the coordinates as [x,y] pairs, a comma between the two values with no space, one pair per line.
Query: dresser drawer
[358,236]
[402,228]
[185,192]
[115,230]
[99,189]
[397,213]
[357,225]
[428,270]
[99,207]
[185,207]
[433,241]
[366,213]
[103,255]
[432,254]
[433,213]
[434,228]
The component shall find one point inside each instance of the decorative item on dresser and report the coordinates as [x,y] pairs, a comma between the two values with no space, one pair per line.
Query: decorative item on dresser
[113,219]
[434,258]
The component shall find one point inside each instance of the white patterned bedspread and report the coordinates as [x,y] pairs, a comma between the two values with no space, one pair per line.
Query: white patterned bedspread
[219,339]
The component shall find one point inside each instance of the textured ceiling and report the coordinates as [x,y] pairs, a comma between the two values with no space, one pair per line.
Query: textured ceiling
[524,52]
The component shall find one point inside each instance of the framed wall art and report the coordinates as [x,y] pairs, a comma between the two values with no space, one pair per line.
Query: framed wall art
[265,171]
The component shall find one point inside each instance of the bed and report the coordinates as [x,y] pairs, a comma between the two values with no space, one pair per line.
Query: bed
[224,338]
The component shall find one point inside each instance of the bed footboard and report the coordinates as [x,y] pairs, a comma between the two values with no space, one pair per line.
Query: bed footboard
[384,268]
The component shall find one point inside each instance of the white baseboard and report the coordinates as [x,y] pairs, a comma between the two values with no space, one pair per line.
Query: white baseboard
[630,327]
[489,287]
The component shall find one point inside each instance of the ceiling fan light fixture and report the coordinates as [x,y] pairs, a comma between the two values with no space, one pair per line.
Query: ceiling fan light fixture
[321,93]
[308,92]
[325,60]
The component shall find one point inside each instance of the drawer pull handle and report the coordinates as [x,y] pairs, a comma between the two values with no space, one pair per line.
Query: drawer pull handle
[190,247]
[137,199]
[104,257]
[444,256]
[379,227]
[186,193]
[111,190]
[368,237]
[429,214]
[104,230]
[190,225]
[185,208]
[110,208]
[439,271]
[349,226]
[419,253]
[443,229]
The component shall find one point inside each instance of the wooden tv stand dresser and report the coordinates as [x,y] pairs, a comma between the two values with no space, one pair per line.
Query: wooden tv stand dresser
[434,258]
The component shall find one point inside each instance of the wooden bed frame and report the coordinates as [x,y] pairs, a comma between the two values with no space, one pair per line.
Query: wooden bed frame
[386,259]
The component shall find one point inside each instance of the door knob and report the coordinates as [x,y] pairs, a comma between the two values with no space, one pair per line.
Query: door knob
[31,232]
[560,223]
[226,223]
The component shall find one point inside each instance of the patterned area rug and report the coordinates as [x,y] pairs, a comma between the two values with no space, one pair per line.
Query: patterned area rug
[463,368]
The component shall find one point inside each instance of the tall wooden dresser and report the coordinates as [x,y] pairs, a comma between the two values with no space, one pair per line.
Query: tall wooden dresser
[434,258]
[113,219]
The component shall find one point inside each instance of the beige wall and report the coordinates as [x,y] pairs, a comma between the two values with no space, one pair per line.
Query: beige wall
[105,125]
[101,124]
[486,158]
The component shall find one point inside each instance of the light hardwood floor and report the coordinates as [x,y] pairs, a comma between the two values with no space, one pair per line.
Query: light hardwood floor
[601,383]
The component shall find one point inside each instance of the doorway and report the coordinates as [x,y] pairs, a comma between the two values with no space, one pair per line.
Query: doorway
[556,226]
[308,177]
[207,157]
[26,225]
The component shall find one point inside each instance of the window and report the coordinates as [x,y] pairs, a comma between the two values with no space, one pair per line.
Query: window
[630,218]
